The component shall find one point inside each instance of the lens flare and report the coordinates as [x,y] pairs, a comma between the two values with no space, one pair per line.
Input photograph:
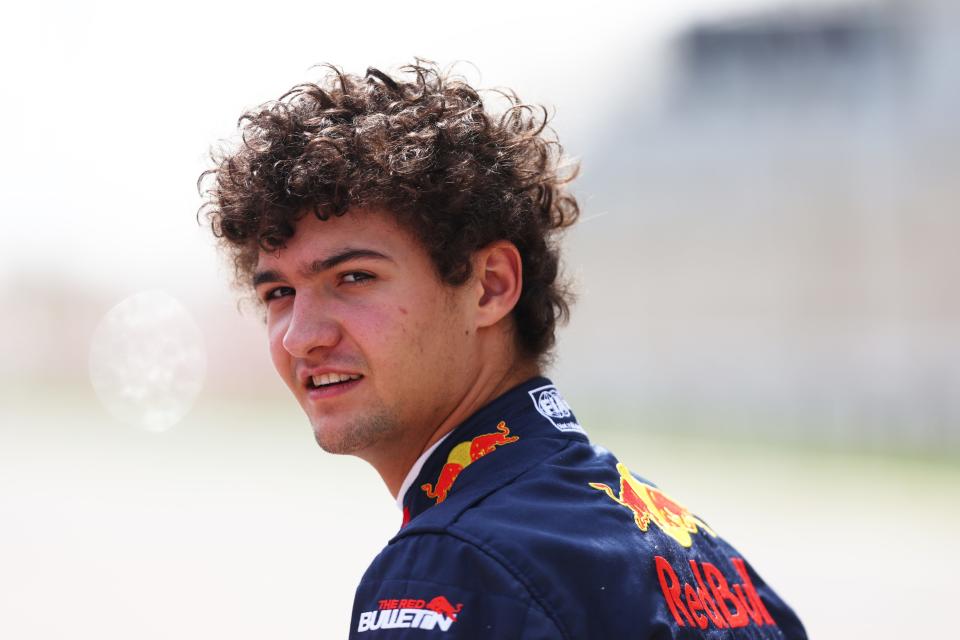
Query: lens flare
[147,361]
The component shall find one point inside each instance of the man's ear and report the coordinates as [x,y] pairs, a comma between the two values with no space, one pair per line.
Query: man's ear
[499,277]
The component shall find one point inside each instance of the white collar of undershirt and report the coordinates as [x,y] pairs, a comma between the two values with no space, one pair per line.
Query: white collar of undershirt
[415,471]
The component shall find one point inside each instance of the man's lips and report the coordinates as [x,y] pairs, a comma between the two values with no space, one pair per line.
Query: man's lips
[319,380]
[331,389]
[317,376]
[327,382]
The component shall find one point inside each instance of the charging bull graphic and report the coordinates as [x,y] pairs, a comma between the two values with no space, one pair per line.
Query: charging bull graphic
[649,504]
[442,606]
[462,455]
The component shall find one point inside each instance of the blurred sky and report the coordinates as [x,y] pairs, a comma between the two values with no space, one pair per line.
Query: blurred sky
[111,107]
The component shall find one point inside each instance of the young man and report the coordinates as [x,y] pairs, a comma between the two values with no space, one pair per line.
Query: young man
[402,241]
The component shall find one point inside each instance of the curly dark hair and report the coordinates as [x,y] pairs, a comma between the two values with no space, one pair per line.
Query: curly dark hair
[424,149]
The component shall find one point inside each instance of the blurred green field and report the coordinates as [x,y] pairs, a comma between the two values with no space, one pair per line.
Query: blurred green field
[234,524]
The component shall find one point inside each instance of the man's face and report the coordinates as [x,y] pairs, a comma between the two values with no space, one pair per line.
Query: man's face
[373,345]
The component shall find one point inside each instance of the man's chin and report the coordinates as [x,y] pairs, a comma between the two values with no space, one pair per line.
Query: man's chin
[353,437]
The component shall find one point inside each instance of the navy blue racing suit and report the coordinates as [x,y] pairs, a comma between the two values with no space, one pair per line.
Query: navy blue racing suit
[517,527]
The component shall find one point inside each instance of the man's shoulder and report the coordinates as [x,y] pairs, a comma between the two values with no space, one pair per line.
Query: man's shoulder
[543,477]
[545,523]
[478,549]
[483,532]
[578,528]
[564,495]
[532,537]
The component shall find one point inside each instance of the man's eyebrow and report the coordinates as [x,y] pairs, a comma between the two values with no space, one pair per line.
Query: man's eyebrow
[318,266]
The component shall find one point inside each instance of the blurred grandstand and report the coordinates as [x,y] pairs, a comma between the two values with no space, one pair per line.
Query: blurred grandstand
[775,250]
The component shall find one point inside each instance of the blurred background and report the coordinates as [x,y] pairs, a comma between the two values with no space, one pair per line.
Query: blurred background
[767,317]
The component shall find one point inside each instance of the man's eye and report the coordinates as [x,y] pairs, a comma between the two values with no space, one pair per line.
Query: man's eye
[277,292]
[355,277]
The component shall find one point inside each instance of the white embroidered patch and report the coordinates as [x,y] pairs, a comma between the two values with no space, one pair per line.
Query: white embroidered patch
[551,405]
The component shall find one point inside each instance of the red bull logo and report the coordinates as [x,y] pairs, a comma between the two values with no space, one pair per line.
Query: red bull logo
[650,505]
[410,613]
[462,455]
[442,606]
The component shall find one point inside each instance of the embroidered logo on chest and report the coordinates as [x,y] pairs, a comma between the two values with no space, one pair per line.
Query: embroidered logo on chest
[650,505]
[462,455]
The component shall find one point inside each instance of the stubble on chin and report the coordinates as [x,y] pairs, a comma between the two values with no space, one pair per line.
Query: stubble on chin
[357,435]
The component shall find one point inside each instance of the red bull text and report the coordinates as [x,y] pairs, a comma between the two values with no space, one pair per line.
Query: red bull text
[710,600]
[410,613]
[649,504]
[462,455]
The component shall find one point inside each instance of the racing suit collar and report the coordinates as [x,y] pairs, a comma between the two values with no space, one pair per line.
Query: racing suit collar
[532,410]
[414,472]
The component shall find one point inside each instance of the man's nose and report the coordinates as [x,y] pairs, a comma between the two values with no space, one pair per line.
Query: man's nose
[309,328]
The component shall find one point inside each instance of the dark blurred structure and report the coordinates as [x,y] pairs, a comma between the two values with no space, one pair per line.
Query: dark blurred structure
[781,234]
[854,58]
